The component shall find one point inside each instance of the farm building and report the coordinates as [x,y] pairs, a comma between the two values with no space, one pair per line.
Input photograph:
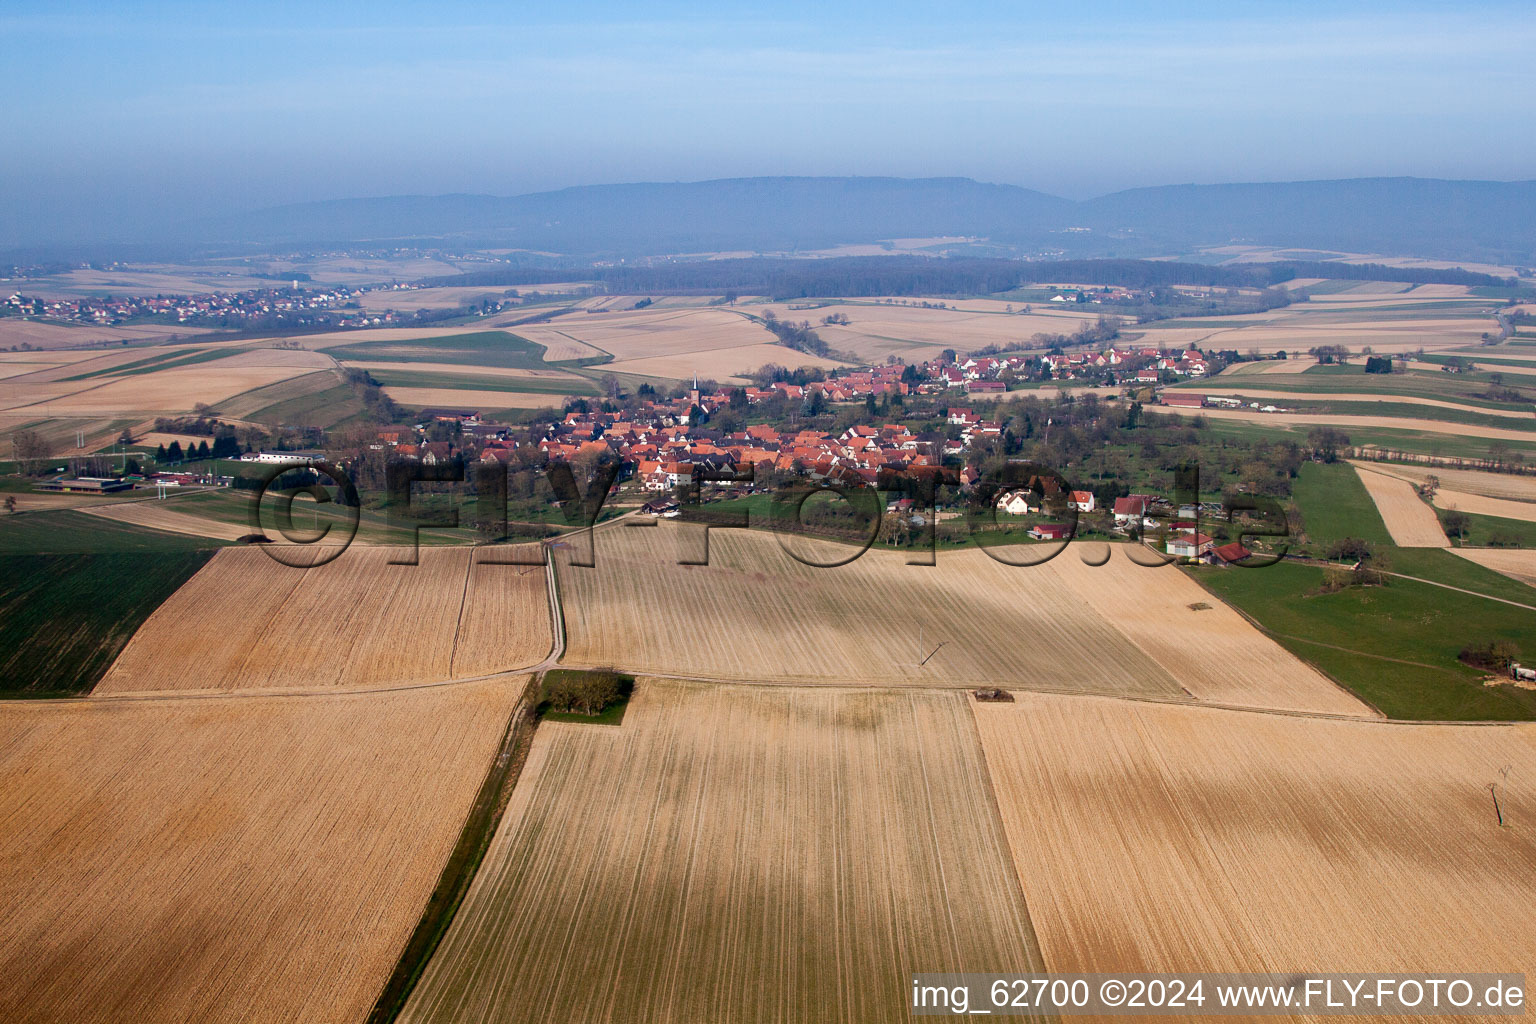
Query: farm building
[1191,545]
[1183,400]
[1229,553]
[1050,531]
[87,484]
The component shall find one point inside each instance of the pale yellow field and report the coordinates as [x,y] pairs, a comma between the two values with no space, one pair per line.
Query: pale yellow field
[1506,495]
[18,368]
[1511,486]
[641,334]
[1344,423]
[173,390]
[914,333]
[1213,652]
[245,622]
[1273,396]
[1266,366]
[228,859]
[736,853]
[454,398]
[1295,334]
[61,433]
[1168,839]
[755,613]
[48,335]
[1516,563]
[1409,520]
[1481,505]
[1506,370]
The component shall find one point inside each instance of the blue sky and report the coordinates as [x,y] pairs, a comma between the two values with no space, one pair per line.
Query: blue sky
[135,110]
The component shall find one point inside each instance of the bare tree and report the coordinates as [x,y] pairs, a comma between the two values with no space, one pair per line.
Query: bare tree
[30,450]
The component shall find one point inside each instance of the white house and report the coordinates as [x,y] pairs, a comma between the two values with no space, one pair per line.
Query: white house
[1015,503]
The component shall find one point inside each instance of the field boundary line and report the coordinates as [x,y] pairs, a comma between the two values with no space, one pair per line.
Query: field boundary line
[989,786]
[458,626]
[464,861]
[1256,624]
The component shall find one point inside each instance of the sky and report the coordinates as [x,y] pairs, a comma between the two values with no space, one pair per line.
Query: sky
[126,114]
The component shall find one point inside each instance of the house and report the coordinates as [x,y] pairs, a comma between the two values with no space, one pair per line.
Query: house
[1191,545]
[1229,553]
[961,417]
[661,507]
[1081,501]
[1015,503]
[1050,531]
[451,415]
[436,453]
[1128,511]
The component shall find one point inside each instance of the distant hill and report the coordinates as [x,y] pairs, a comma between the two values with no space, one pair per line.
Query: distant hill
[1482,220]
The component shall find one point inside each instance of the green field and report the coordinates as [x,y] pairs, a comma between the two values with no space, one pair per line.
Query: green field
[1334,504]
[1491,531]
[1396,439]
[482,348]
[1320,381]
[324,409]
[1393,645]
[67,532]
[64,618]
[468,382]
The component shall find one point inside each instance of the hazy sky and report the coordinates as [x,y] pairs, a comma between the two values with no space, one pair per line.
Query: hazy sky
[120,112]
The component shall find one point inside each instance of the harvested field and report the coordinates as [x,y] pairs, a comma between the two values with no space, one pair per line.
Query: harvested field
[1345,422]
[1160,838]
[1214,653]
[246,622]
[1484,506]
[61,433]
[1300,395]
[755,613]
[1411,522]
[173,390]
[153,515]
[736,853]
[238,859]
[1510,486]
[910,332]
[42,335]
[639,334]
[1516,563]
